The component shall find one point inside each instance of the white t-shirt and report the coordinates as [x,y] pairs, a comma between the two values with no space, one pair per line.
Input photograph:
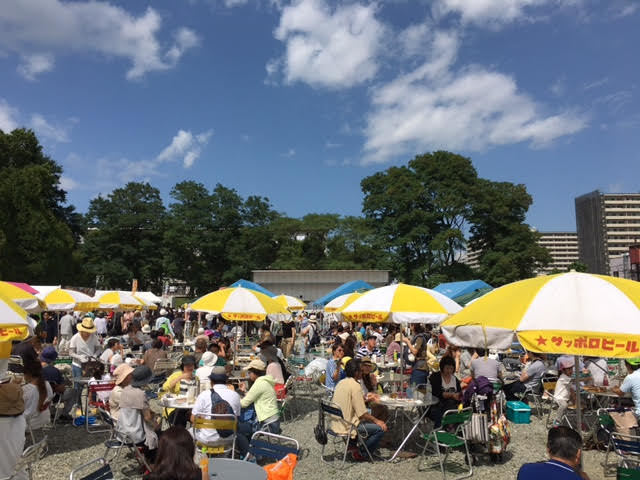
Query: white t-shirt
[203,406]
[83,349]
[34,416]
[11,444]
[66,325]
[598,371]
[106,356]
[563,388]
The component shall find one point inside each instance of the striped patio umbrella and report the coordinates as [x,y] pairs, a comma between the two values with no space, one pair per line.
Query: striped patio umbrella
[240,304]
[400,303]
[13,321]
[289,302]
[341,302]
[64,299]
[117,300]
[21,297]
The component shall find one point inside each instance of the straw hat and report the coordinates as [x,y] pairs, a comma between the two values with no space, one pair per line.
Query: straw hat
[122,372]
[256,365]
[87,325]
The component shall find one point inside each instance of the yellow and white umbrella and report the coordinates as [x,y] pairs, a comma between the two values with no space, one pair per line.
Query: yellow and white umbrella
[341,302]
[22,298]
[117,300]
[13,325]
[571,313]
[400,303]
[64,299]
[289,302]
[240,304]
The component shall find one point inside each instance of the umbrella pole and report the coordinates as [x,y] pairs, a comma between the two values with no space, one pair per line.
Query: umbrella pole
[576,372]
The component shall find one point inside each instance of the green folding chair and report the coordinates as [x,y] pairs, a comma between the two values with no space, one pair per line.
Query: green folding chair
[451,435]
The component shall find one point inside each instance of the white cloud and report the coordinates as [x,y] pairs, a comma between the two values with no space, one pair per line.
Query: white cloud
[8,122]
[414,39]
[90,27]
[33,65]
[68,183]
[45,129]
[186,147]
[330,144]
[289,153]
[434,107]
[487,12]
[329,47]
[558,88]
[235,3]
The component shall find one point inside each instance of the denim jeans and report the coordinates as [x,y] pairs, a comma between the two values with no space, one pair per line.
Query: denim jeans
[77,387]
[372,434]
[418,377]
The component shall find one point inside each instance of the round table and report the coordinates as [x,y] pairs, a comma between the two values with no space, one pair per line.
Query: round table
[230,469]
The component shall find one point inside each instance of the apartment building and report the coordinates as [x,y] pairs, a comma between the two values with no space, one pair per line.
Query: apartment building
[563,248]
[607,224]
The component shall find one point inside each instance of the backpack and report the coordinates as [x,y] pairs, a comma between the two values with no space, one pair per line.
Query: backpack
[219,406]
[314,340]
[480,385]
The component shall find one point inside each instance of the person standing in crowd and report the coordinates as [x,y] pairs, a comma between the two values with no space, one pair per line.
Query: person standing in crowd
[83,346]
[418,348]
[334,372]
[288,336]
[564,447]
[631,383]
[163,322]
[101,325]
[563,393]
[50,327]
[67,323]
[262,395]
[348,396]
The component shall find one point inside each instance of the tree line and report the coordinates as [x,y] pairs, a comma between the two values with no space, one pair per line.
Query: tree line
[416,222]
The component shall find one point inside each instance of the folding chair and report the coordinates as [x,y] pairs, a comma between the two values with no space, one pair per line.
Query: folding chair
[286,397]
[93,400]
[30,456]
[119,440]
[222,446]
[164,366]
[271,446]
[442,438]
[334,412]
[103,472]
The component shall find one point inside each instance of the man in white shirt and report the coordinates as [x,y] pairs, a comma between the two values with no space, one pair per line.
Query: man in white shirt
[67,322]
[101,325]
[203,406]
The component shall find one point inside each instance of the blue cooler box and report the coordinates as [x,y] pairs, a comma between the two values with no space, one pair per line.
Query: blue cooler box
[518,412]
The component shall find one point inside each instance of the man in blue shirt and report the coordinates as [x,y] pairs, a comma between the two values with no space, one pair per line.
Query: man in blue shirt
[564,447]
[631,383]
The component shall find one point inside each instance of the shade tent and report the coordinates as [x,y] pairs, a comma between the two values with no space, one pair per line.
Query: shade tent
[148,297]
[468,298]
[455,290]
[252,286]
[349,287]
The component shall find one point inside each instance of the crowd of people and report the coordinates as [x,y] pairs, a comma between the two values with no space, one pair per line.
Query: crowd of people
[124,348]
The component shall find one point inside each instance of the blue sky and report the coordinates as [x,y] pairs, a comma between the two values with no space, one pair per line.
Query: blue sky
[299,100]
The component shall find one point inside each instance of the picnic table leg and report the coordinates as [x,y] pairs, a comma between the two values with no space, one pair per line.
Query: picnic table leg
[415,426]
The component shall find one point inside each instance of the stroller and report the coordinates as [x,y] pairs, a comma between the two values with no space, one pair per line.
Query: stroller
[488,430]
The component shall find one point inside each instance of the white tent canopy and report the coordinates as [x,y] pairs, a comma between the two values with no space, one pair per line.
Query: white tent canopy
[148,297]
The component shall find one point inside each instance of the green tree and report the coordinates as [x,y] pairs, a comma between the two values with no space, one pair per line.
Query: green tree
[38,230]
[509,247]
[578,267]
[125,237]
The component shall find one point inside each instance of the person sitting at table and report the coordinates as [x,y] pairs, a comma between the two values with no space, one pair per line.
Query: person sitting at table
[179,383]
[598,370]
[485,366]
[113,347]
[122,376]
[202,407]
[12,426]
[563,393]
[371,390]
[155,353]
[564,447]
[262,395]
[37,394]
[334,371]
[135,338]
[175,457]
[348,396]
[215,349]
[349,346]
[631,383]
[226,351]
[454,352]
[446,388]
[207,362]
[52,375]
[530,378]
[269,354]
[135,418]
[99,376]
[369,349]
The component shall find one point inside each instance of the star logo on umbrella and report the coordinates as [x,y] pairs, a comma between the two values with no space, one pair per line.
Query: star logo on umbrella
[541,340]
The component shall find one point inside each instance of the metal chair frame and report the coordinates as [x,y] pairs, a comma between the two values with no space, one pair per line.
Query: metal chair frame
[92,389]
[30,456]
[117,440]
[333,410]
[216,422]
[269,445]
[102,473]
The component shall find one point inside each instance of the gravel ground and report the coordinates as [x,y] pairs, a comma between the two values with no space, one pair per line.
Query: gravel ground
[71,446]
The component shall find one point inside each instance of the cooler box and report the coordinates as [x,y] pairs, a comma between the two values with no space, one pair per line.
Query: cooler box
[518,412]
